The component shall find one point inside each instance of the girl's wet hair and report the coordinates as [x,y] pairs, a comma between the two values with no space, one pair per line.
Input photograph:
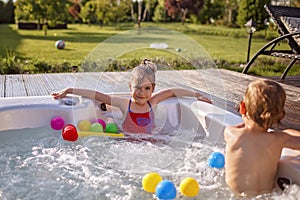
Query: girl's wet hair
[146,69]
[264,101]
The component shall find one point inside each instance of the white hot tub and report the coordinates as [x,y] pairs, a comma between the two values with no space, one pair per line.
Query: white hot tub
[205,120]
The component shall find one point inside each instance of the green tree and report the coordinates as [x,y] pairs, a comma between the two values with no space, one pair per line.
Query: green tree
[149,7]
[212,11]
[7,12]
[231,7]
[2,15]
[119,10]
[160,12]
[88,12]
[296,3]
[183,8]
[252,9]
[139,4]
[105,11]
[43,11]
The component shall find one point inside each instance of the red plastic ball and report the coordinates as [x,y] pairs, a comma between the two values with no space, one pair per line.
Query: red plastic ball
[69,133]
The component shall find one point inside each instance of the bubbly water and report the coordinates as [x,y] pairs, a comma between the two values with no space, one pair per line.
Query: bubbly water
[39,164]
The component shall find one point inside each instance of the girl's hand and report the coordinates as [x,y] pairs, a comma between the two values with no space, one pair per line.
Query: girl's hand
[60,94]
[202,98]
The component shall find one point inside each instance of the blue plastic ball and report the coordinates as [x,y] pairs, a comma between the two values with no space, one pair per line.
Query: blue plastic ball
[165,190]
[216,160]
[60,44]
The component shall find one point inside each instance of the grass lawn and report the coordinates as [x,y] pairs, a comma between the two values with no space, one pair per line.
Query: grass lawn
[79,39]
[222,44]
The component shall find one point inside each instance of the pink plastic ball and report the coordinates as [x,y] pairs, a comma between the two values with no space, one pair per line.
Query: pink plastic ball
[57,123]
[102,122]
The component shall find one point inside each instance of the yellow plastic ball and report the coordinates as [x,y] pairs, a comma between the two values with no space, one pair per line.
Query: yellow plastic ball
[189,187]
[150,181]
[84,125]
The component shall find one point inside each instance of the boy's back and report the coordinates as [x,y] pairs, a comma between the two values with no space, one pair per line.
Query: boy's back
[252,155]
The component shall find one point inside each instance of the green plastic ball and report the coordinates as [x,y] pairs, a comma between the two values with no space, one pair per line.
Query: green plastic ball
[96,127]
[111,128]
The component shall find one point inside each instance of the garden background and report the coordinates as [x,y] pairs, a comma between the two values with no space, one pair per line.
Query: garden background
[218,26]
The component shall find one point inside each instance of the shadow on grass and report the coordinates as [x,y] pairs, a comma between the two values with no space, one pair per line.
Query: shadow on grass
[98,37]
[9,38]
[87,37]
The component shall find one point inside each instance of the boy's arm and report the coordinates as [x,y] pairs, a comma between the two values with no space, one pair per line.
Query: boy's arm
[177,92]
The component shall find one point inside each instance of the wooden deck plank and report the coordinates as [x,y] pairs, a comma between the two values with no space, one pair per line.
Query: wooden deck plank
[289,80]
[57,82]
[2,86]
[50,83]
[14,86]
[35,85]
[114,82]
[105,82]
[225,88]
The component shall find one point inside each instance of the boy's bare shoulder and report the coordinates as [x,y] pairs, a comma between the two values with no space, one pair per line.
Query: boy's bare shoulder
[235,128]
[241,125]
[281,135]
[235,132]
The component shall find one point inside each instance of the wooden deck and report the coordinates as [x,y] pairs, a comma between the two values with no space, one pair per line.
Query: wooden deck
[225,88]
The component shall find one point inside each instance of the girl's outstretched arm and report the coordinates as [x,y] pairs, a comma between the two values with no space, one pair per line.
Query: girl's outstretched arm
[120,102]
[91,94]
[177,92]
[293,139]
[292,132]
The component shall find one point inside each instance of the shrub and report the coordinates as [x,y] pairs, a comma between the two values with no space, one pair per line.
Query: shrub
[41,67]
[11,63]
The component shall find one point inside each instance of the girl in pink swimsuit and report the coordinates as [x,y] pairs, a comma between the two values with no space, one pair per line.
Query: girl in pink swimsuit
[138,116]
[139,122]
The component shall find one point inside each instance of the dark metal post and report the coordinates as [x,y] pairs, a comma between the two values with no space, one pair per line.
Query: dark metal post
[250,25]
[249,45]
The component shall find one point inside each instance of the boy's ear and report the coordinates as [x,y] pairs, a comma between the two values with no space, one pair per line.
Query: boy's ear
[242,108]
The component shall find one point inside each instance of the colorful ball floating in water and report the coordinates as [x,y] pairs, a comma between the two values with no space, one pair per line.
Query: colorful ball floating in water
[102,122]
[70,133]
[216,160]
[57,123]
[189,187]
[165,190]
[84,125]
[96,127]
[111,128]
[150,181]
[60,44]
